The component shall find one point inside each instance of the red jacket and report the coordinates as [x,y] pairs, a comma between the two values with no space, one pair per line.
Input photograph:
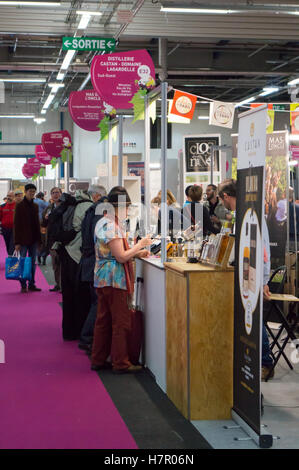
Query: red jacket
[7,212]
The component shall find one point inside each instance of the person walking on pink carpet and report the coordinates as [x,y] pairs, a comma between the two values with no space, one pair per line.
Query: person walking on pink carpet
[27,235]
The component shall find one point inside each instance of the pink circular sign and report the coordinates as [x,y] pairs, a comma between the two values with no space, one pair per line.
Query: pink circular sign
[118,76]
[86,109]
[34,164]
[42,156]
[27,171]
[54,142]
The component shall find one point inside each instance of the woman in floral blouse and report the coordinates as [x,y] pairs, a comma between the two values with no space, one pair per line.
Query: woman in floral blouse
[114,281]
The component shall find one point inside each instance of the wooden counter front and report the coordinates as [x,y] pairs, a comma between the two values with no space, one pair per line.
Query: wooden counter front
[199,342]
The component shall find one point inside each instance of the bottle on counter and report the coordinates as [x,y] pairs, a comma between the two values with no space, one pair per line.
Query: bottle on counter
[223,244]
[191,255]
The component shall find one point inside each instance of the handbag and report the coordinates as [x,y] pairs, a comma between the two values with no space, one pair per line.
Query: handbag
[17,268]
[136,335]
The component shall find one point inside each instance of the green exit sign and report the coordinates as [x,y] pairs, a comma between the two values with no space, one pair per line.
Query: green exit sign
[0,135]
[88,44]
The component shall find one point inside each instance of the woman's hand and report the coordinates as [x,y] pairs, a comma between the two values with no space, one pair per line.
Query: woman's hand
[143,254]
[146,241]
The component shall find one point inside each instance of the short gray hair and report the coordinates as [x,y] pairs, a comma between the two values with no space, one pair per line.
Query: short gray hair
[97,189]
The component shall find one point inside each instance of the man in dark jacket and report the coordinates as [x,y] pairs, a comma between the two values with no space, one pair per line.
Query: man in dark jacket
[49,222]
[27,235]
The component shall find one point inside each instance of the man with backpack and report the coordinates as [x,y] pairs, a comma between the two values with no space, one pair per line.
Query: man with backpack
[69,216]
[49,224]
[87,263]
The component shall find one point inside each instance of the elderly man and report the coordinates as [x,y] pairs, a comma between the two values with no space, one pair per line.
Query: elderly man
[19,195]
[7,212]
[48,223]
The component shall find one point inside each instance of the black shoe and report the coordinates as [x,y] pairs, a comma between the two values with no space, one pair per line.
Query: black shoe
[55,289]
[34,289]
[105,366]
[24,290]
[84,346]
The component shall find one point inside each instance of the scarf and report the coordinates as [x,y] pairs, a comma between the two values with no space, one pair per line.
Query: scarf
[128,265]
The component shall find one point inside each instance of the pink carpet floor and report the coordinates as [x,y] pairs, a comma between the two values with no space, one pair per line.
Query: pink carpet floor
[49,398]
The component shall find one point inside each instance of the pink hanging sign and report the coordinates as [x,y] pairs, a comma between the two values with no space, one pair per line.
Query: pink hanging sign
[86,109]
[54,142]
[34,164]
[27,171]
[118,76]
[42,156]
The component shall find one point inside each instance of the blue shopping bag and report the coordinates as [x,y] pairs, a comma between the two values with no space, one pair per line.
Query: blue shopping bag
[26,268]
[17,268]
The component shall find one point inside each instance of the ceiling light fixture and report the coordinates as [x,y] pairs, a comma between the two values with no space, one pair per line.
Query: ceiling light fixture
[268,90]
[84,21]
[55,86]
[39,120]
[86,12]
[49,100]
[17,116]
[30,4]
[203,117]
[60,76]
[247,100]
[23,80]
[43,111]
[293,82]
[67,60]
[207,11]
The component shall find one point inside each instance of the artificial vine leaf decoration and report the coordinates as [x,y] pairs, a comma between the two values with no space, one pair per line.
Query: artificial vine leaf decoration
[53,162]
[104,128]
[138,103]
[34,177]
[64,155]
[42,171]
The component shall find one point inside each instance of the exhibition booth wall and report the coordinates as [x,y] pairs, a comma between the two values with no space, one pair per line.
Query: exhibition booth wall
[88,151]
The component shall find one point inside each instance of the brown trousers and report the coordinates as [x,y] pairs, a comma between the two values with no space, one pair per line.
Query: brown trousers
[112,327]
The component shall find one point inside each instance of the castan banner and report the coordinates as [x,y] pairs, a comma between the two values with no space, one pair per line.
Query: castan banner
[222,114]
[183,104]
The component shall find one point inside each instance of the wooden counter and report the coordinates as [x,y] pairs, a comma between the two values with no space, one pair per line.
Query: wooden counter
[199,339]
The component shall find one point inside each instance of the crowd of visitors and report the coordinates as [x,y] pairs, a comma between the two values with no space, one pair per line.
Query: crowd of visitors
[86,238]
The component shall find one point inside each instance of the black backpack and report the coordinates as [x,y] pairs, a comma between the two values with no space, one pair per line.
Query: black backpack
[62,219]
[87,248]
